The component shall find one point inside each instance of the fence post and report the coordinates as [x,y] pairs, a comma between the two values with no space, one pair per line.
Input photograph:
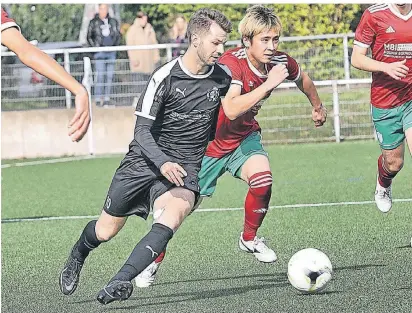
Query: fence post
[336,113]
[67,68]
[87,82]
[169,54]
[346,59]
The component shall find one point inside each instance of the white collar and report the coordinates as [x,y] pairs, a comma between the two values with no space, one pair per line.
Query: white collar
[191,74]
[398,14]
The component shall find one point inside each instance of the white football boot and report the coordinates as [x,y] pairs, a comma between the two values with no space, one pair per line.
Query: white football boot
[259,249]
[383,197]
[147,277]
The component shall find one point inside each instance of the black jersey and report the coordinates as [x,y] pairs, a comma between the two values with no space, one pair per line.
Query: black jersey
[181,109]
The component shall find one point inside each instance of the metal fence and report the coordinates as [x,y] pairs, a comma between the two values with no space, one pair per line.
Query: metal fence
[286,117]
[324,57]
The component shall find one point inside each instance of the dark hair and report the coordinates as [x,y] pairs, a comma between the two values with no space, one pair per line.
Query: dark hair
[141,14]
[202,19]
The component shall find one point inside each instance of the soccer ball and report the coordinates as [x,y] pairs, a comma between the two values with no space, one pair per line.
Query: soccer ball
[309,270]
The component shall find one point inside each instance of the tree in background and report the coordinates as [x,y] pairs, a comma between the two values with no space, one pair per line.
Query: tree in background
[324,58]
[61,22]
[49,22]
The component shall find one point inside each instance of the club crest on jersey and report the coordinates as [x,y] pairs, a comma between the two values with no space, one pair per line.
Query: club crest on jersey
[213,94]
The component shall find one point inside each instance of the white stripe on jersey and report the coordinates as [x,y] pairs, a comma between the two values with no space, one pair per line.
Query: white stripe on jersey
[240,54]
[277,60]
[152,87]
[379,7]
[376,5]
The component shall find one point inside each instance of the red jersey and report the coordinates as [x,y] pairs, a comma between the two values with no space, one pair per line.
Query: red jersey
[229,134]
[389,34]
[6,21]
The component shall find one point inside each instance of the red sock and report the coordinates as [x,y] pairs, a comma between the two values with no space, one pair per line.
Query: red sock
[160,256]
[256,203]
[384,177]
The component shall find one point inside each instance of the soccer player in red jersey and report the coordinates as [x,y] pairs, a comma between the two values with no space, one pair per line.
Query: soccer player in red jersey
[257,68]
[45,65]
[387,30]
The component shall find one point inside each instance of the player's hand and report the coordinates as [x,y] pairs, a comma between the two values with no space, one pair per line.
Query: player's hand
[277,75]
[173,172]
[80,122]
[396,70]
[319,115]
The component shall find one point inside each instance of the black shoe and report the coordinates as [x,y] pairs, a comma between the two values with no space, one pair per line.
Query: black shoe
[69,276]
[116,290]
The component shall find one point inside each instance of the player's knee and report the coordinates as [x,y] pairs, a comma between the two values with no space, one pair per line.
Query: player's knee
[260,184]
[106,232]
[393,165]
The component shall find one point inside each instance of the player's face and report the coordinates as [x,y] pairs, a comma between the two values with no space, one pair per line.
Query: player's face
[264,45]
[180,23]
[103,10]
[143,21]
[211,45]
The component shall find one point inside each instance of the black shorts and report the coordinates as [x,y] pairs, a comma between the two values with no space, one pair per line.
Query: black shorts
[137,183]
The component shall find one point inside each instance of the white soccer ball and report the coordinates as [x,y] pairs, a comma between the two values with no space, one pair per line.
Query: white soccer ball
[309,270]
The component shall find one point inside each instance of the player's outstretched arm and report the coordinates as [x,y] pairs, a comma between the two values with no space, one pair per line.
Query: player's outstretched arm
[235,104]
[45,65]
[360,60]
[306,85]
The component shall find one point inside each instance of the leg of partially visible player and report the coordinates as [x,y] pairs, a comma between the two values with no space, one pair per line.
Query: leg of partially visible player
[174,206]
[256,172]
[390,131]
[95,232]
[390,162]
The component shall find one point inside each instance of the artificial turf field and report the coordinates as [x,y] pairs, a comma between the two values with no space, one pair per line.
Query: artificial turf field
[204,271]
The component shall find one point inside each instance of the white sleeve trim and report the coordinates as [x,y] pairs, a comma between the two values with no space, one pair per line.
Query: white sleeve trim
[361,44]
[9,25]
[237,82]
[144,115]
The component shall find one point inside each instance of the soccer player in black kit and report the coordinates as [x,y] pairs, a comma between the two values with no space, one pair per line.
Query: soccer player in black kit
[176,116]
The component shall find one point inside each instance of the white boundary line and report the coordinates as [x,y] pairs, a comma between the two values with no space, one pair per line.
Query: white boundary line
[60,160]
[287,206]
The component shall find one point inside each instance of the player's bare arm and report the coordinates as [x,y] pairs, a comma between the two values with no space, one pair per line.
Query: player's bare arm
[396,70]
[45,65]
[306,85]
[234,104]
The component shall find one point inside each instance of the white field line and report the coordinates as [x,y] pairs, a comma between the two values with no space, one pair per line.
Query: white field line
[59,160]
[287,206]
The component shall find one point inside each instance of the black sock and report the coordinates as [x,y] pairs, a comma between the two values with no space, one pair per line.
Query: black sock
[87,241]
[145,252]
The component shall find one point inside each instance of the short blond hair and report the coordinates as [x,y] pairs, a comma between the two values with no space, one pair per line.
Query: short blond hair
[258,18]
